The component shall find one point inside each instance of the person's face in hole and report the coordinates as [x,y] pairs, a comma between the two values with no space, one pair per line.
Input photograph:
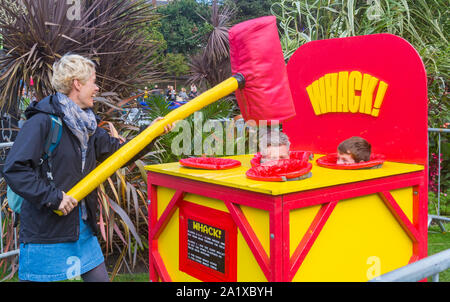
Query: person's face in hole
[344,159]
[275,153]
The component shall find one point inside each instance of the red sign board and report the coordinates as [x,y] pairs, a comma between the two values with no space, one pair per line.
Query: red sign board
[208,243]
[371,86]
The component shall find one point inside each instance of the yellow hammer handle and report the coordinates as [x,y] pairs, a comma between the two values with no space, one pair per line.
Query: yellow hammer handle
[134,146]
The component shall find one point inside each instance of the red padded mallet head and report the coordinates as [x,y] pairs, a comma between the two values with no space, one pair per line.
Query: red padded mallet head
[255,52]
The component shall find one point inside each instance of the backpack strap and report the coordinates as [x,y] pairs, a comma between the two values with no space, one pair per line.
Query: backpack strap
[53,138]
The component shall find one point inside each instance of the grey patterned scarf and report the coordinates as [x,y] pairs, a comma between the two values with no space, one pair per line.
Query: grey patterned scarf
[81,122]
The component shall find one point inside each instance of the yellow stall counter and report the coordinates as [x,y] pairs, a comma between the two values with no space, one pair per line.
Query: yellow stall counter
[321,178]
[338,225]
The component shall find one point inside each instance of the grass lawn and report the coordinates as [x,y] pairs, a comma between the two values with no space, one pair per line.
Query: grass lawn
[437,242]
[143,277]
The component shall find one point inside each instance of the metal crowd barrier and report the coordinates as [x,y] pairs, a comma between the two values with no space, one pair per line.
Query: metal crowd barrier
[14,252]
[438,218]
[424,268]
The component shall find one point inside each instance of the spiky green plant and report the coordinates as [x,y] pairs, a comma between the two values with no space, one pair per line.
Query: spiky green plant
[211,65]
[220,110]
[106,31]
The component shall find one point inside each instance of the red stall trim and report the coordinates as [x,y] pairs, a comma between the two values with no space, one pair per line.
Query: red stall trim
[152,244]
[416,230]
[276,239]
[309,238]
[250,237]
[165,217]
[345,191]
[405,223]
[420,215]
[253,199]
[400,216]
[248,198]
[160,267]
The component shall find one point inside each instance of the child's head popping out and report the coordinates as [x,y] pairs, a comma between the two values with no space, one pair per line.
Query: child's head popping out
[353,150]
[273,146]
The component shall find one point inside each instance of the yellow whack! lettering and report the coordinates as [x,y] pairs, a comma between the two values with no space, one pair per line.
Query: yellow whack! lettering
[347,91]
[206,229]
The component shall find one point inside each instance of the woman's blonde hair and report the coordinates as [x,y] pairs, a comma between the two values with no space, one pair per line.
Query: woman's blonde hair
[69,68]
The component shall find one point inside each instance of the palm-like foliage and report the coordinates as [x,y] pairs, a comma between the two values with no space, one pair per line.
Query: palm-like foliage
[217,46]
[107,32]
[220,110]
[212,64]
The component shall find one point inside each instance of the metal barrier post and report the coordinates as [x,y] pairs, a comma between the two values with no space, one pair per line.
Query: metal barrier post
[426,267]
[16,251]
[1,233]
[438,217]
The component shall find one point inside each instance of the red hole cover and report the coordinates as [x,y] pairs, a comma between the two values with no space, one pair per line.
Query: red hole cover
[300,155]
[329,161]
[283,170]
[210,163]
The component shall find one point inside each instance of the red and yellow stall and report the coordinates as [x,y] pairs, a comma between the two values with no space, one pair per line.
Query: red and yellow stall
[337,225]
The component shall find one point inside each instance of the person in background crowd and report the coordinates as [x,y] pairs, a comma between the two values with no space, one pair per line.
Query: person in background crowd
[155,91]
[145,92]
[168,90]
[173,94]
[183,95]
[193,93]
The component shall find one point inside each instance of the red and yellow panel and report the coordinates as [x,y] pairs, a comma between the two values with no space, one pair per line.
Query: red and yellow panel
[348,232]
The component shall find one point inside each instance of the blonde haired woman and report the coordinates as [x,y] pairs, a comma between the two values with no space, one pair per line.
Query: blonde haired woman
[53,247]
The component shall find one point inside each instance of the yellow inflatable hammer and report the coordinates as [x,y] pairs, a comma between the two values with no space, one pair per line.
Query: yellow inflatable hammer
[259,72]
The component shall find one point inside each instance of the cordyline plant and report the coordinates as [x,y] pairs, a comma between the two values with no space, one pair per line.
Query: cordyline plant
[38,32]
[220,111]
[123,220]
[211,65]
[108,32]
